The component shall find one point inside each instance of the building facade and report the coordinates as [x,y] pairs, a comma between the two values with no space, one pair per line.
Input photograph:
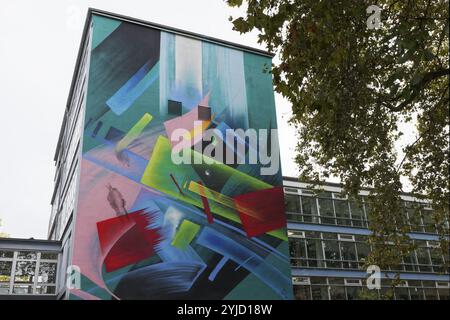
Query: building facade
[139,225]
[128,219]
[29,268]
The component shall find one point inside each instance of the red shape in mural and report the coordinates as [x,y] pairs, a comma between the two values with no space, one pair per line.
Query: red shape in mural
[126,239]
[261,211]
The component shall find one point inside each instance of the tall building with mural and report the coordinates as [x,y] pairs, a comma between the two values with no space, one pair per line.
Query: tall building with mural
[133,223]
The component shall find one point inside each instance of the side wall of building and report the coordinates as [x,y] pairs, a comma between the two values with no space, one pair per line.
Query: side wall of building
[148,228]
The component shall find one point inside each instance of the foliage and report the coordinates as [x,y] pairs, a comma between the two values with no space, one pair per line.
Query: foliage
[351,88]
[2,234]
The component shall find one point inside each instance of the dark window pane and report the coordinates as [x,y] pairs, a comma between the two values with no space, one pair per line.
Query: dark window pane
[302,292]
[30,255]
[47,272]
[309,209]
[25,271]
[431,294]
[402,294]
[348,252]
[5,271]
[342,212]
[297,252]
[444,294]
[332,254]
[423,258]
[410,262]
[292,203]
[45,289]
[315,253]
[363,251]
[23,289]
[318,280]
[352,292]
[416,293]
[357,213]
[4,288]
[319,292]
[326,211]
[337,293]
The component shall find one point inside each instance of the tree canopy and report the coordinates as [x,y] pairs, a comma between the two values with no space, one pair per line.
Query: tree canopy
[2,234]
[353,88]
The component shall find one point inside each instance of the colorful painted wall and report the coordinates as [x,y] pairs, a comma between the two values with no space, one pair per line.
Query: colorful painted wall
[149,229]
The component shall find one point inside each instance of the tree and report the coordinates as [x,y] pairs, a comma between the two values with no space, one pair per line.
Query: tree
[351,87]
[2,234]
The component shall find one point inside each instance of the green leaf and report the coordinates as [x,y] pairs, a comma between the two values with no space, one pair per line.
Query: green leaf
[416,79]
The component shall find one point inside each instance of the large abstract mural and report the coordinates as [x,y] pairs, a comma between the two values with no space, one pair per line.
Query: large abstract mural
[147,228]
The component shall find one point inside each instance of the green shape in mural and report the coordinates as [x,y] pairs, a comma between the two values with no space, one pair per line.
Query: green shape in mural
[134,132]
[164,175]
[185,234]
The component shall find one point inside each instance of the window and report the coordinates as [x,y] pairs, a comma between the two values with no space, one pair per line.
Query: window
[5,273]
[302,292]
[326,208]
[301,280]
[6,254]
[348,253]
[28,272]
[423,257]
[315,253]
[47,272]
[363,250]
[49,256]
[297,252]
[402,293]
[325,288]
[296,234]
[346,237]
[357,213]
[292,203]
[332,254]
[291,190]
[28,255]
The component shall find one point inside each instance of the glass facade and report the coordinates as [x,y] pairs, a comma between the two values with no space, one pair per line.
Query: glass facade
[329,236]
[28,272]
[328,208]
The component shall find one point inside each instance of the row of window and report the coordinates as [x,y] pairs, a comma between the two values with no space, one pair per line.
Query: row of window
[330,208]
[343,251]
[28,272]
[329,288]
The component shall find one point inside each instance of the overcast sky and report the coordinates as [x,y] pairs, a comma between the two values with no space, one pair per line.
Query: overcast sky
[38,46]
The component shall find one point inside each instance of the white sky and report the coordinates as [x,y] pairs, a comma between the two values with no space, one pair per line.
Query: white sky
[38,46]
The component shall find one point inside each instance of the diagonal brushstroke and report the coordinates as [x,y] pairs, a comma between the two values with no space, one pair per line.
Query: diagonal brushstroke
[205,203]
[247,259]
[217,268]
[124,98]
